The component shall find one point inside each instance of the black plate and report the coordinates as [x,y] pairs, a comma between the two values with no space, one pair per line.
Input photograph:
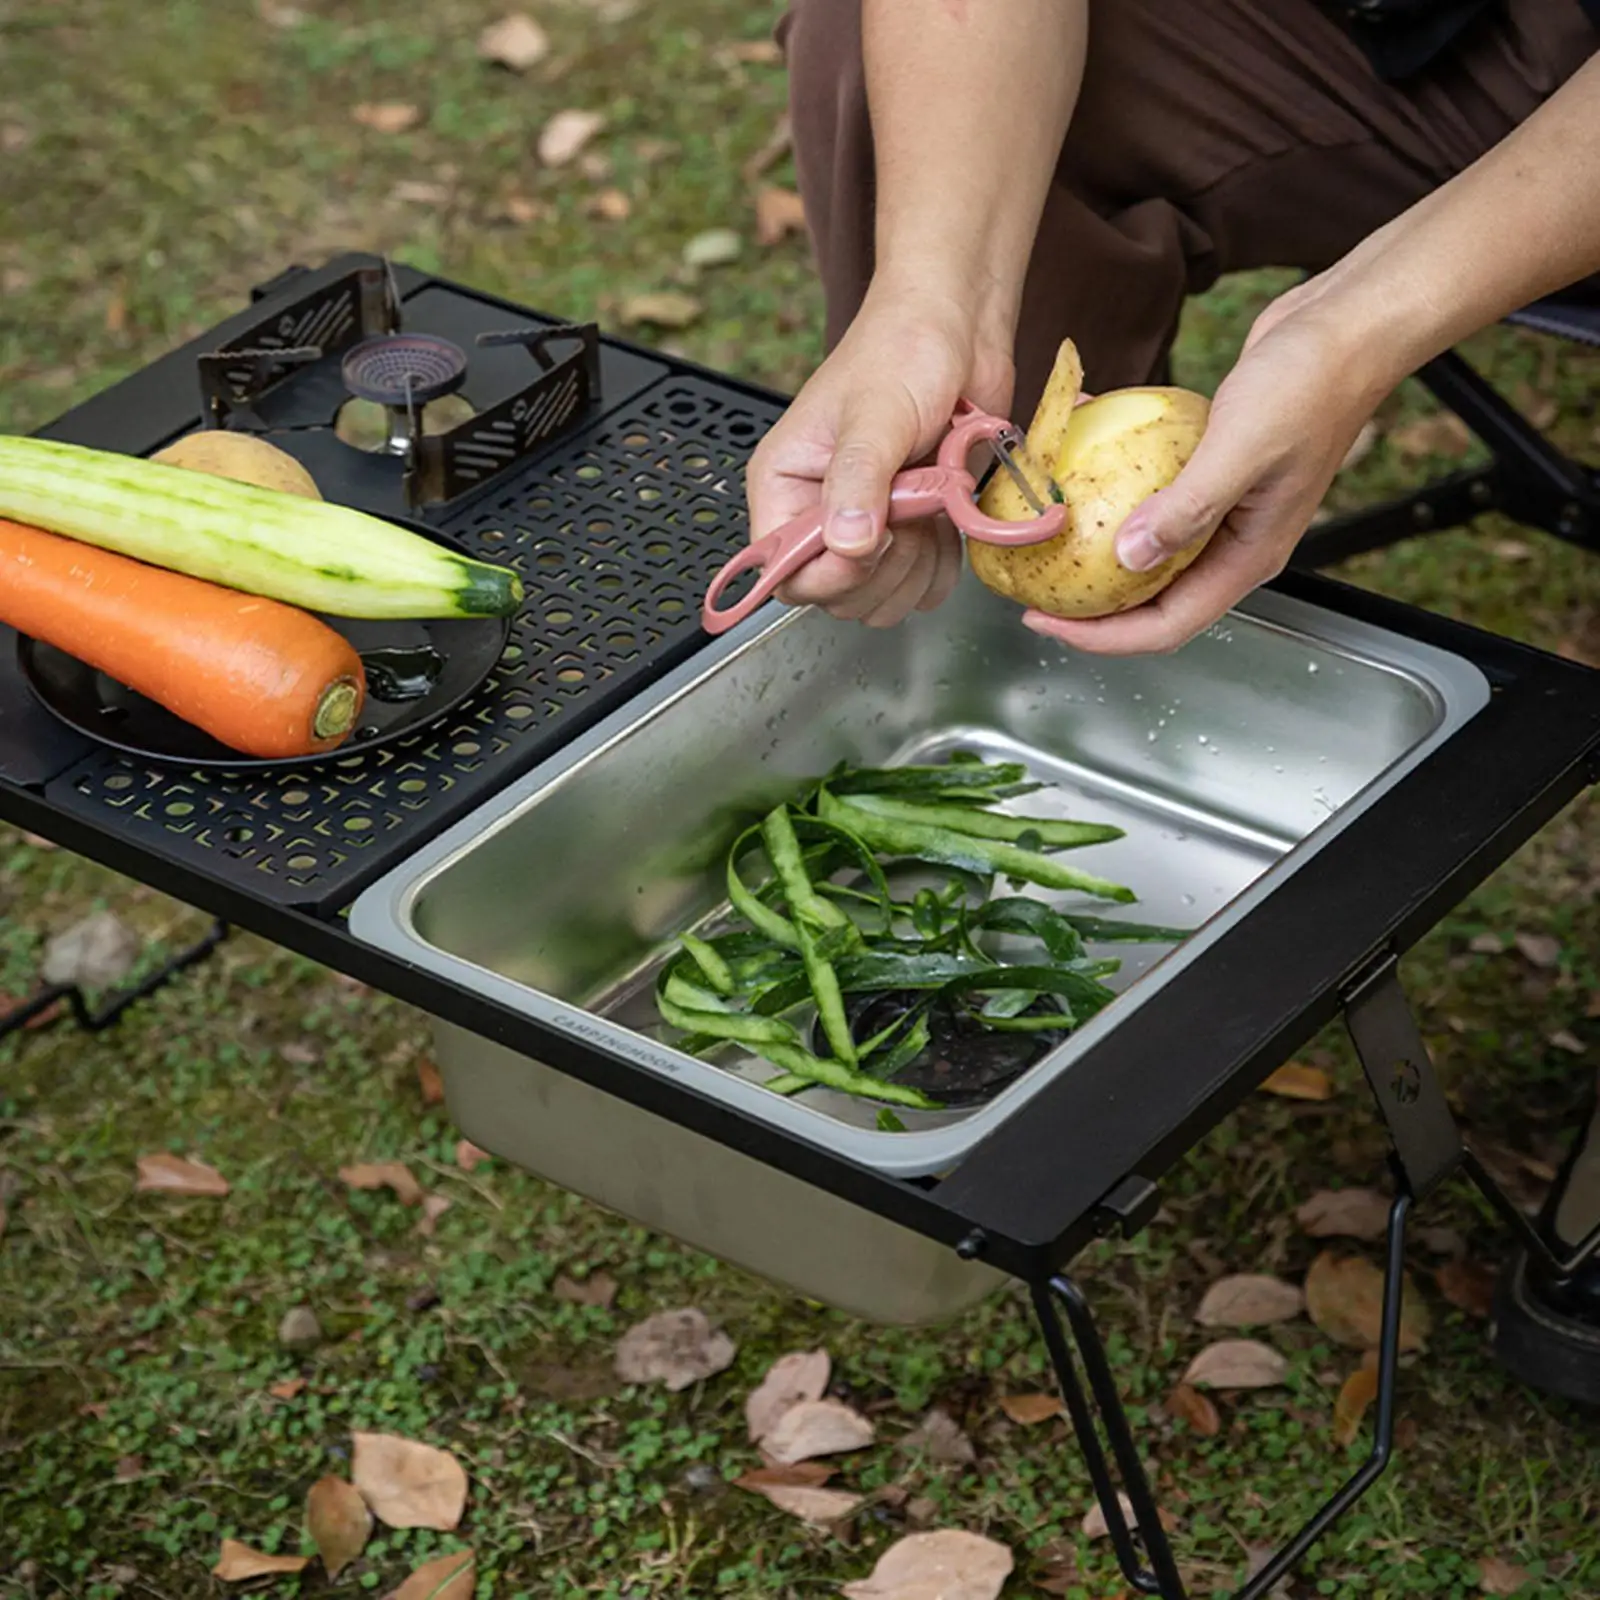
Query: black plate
[462,651]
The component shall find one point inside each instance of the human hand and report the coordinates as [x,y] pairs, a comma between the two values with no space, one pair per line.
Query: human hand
[882,400]
[1280,425]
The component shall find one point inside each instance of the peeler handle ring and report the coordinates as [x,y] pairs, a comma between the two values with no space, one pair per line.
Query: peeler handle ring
[778,556]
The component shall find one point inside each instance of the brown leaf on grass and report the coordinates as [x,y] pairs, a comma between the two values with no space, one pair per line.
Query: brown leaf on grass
[434,1206]
[387,116]
[1249,1300]
[429,1082]
[468,1155]
[1056,1568]
[1486,944]
[1296,1081]
[1236,1364]
[1357,1392]
[1542,950]
[1344,1298]
[519,208]
[338,1521]
[239,1562]
[611,205]
[817,1428]
[394,1175]
[1028,1410]
[563,137]
[779,212]
[1187,1404]
[801,1474]
[819,1507]
[96,952]
[128,1468]
[675,1349]
[1345,1214]
[1094,1524]
[170,1174]
[451,1577]
[1467,1285]
[664,308]
[940,1438]
[1441,434]
[1511,549]
[1500,1577]
[517,42]
[1566,1039]
[598,1289]
[288,1389]
[802,1375]
[947,1564]
[408,1484]
[778,144]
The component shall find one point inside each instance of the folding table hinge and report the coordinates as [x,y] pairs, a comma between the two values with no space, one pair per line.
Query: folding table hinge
[1129,1208]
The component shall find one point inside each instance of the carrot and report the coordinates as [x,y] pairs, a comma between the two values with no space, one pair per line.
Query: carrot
[259,676]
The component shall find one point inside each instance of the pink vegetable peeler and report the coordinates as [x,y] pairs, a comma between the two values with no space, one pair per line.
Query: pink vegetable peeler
[918,492]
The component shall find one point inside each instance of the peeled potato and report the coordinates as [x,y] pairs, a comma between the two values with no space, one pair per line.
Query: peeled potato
[242,457]
[1108,455]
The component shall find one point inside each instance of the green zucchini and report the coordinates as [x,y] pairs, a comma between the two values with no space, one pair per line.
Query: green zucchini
[306,553]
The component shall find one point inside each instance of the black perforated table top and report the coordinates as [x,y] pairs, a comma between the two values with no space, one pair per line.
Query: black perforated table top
[616,530]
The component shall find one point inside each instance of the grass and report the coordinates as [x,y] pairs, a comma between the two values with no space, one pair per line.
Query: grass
[157,161]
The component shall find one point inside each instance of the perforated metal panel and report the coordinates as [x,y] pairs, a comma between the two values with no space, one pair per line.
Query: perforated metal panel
[617,532]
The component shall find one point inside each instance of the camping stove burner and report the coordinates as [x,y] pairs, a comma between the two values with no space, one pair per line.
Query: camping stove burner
[402,372]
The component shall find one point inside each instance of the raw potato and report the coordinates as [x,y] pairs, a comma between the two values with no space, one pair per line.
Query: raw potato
[1108,455]
[241,457]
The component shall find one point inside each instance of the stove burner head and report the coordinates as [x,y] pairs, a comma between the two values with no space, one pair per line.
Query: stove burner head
[397,369]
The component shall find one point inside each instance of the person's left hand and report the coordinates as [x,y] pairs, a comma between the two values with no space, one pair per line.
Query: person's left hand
[1281,424]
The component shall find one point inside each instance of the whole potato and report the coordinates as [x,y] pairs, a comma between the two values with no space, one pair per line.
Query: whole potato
[1108,455]
[241,456]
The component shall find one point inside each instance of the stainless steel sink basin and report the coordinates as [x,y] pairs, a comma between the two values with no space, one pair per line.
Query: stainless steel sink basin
[1227,764]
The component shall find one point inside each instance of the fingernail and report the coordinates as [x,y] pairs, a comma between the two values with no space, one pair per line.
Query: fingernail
[1138,550]
[851,533]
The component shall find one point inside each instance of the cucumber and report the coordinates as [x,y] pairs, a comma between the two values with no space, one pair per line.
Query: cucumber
[305,553]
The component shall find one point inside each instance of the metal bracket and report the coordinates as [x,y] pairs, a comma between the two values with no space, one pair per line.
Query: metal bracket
[1428,1148]
[111,1011]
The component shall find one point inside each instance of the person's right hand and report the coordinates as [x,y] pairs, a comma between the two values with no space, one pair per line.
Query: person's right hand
[881,401]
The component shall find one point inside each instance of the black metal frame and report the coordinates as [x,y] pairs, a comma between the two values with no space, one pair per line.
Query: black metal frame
[1323,944]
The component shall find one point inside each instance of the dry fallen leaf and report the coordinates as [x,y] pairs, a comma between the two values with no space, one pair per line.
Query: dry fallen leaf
[1296,1081]
[1500,1577]
[520,209]
[238,1562]
[394,1175]
[1357,1392]
[170,1174]
[468,1155]
[1344,1298]
[940,1438]
[779,212]
[451,1577]
[289,1389]
[1027,1410]
[1237,1364]
[1486,944]
[1539,949]
[1441,434]
[95,952]
[429,1082]
[944,1565]
[565,134]
[777,146]
[1566,1039]
[338,1521]
[1094,1524]
[817,1428]
[1056,1568]
[408,1484]
[1187,1404]
[716,247]
[598,1289]
[820,1507]
[1467,1285]
[434,1206]
[517,42]
[675,1349]
[414,192]
[1345,1214]
[665,308]
[790,1379]
[1249,1300]
[1511,549]
[388,116]
[806,1474]
[611,205]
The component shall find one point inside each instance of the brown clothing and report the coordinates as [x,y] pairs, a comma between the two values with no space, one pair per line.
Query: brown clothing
[1210,136]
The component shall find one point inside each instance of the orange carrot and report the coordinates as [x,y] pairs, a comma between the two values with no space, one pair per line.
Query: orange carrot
[260,677]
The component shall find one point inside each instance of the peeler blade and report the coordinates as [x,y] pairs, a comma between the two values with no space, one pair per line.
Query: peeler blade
[1010,452]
